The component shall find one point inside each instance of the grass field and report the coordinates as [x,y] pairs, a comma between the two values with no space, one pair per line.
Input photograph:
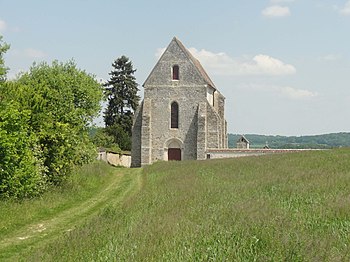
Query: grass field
[31,224]
[287,207]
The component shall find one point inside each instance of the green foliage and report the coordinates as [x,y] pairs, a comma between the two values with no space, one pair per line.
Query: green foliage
[102,138]
[53,105]
[62,92]
[22,173]
[121,93]
[63,100]
[121,137]
[3,69]
[295,142]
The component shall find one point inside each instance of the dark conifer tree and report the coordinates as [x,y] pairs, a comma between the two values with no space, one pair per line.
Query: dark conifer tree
[121,93]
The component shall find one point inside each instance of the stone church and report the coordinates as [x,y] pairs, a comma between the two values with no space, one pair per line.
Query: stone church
[182,114]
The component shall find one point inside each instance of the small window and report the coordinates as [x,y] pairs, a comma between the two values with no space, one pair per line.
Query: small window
[175,72]
[174,115]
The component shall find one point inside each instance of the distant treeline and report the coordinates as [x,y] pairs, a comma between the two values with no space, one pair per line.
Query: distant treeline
[317,141]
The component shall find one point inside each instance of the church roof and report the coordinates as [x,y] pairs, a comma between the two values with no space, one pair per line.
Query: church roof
[196,63]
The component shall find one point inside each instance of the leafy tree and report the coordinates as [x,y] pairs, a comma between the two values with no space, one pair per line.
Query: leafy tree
[63,101]
[121,93]
[44,117]
[22,172]
[121,138]
[101,138]
[3,69]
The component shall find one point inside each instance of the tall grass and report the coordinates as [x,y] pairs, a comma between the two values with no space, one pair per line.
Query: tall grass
[288,207]
[61,211]
[83,184]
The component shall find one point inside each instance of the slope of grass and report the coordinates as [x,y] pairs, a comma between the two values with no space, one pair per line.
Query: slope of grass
[87,181]
[288,207]
[34,223]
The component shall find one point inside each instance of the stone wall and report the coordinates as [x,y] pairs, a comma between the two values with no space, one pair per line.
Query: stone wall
[136,138]
[201,131]
[213,128]
[115,159]
[233,153]
[146,132]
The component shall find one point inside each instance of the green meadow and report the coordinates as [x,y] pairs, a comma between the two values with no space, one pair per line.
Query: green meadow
[283,207]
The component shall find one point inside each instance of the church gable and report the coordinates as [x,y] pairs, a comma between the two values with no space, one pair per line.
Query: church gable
[182,114]
[177,67]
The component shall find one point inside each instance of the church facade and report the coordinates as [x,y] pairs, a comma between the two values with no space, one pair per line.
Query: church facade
[182,114]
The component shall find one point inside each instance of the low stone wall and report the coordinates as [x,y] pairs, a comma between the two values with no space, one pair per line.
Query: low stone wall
[115,159]
[232,153]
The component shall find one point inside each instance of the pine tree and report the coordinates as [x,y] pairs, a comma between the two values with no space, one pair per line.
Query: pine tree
[121,92]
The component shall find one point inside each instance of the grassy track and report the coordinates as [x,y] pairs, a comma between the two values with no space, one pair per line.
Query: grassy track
[45,230]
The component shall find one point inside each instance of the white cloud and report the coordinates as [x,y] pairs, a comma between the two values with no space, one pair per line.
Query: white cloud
[276,11]
[267,65]
[3,26]
[34,53]
[222,64]
[294,93]
[284,91]
[346,9]
[330,57]
[27,53]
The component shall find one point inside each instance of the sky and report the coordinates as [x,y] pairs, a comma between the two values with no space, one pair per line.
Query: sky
[283,65]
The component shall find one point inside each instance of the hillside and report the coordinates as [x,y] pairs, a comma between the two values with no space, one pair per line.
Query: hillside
[333,140]
[286,207]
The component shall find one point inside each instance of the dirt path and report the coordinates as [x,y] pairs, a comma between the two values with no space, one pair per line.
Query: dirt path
[126,181]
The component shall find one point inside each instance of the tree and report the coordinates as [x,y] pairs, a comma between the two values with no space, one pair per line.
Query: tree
[22,173]
[101,138]
[121,93]
[3,69]
[44,119]
[63,101]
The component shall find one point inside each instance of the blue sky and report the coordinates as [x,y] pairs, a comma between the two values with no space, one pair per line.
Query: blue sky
[283,65]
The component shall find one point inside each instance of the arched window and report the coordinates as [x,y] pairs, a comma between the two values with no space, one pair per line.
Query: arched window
[174,115]
[175,72]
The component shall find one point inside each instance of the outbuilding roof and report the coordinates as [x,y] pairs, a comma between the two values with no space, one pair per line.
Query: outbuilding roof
[243,139]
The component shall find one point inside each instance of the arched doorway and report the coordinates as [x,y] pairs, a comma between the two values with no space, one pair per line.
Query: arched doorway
[174,150]
[174,154]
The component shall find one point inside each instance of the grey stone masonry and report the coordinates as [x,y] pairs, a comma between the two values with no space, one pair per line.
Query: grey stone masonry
[178,78]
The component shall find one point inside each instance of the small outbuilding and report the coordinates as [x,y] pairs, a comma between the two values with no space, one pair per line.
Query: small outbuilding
[242,143]
[266,146]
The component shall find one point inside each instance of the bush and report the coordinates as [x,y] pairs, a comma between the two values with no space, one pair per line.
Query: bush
[43,127]
[22,173]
